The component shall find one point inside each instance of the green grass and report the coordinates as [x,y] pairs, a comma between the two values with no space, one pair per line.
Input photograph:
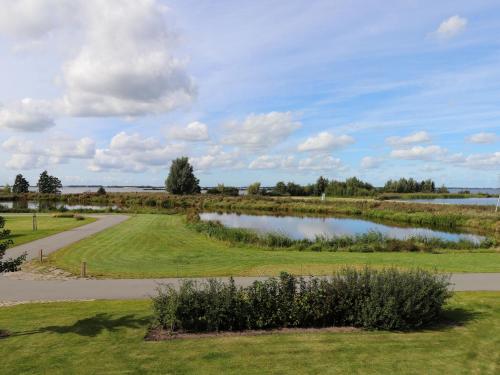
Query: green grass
[162,246]
[106,337]
[21,226]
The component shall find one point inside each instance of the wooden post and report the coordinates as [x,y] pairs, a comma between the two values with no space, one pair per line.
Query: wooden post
[41,255]
[83,272]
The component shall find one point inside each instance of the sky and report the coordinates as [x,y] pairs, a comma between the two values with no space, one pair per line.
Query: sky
[110,91]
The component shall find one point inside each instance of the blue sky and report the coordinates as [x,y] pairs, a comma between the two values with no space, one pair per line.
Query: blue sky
[108,92]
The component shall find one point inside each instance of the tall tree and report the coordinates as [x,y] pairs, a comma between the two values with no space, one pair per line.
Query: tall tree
[21,185]
[9,265]
[48,184]
[181,179]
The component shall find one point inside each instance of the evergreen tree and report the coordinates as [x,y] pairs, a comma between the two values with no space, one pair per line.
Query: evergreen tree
[181,179]
[21,185]
[9,265]
[48,184]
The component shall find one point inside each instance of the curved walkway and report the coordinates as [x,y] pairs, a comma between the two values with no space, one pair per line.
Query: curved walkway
[58,241]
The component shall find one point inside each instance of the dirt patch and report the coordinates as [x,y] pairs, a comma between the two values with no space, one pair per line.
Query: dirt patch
[161,335]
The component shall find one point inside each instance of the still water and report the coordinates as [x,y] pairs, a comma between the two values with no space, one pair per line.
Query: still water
[50,205]
[466,201]
[310,227]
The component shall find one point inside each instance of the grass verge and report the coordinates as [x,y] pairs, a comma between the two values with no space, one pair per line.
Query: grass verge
[108,337]
[21,226]
[162,246]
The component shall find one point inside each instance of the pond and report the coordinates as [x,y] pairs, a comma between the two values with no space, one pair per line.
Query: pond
[310,227]
[467,201]
[51,205]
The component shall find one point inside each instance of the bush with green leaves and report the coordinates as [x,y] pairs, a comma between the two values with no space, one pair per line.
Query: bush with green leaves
[12,264]
[388,299]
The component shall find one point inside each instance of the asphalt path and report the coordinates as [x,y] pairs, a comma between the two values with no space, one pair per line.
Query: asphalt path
[58,241]
[84,289]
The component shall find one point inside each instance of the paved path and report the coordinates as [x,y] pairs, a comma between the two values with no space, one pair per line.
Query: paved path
[58,241]
[51,290]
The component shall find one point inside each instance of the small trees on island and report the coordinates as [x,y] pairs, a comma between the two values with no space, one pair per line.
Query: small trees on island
[181,179]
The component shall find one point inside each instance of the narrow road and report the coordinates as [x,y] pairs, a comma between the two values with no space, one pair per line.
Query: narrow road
[58,241]
[80,289]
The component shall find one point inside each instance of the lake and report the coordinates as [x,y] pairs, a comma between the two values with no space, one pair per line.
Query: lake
[466,201]
[45,205]
[310,227]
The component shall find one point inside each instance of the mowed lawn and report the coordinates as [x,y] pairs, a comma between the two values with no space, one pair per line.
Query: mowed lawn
[106,337]
[162,246]
[21,226]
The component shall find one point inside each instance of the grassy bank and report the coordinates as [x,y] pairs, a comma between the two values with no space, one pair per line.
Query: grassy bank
[163,246]
[21,226]
[107,337]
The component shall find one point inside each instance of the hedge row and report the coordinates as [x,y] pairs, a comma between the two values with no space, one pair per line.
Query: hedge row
[387,299]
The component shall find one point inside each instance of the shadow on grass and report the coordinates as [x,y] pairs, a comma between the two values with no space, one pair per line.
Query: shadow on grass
[91,327]
[456,317]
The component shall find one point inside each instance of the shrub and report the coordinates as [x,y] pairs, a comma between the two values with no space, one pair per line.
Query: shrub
[64,215]
[387,299]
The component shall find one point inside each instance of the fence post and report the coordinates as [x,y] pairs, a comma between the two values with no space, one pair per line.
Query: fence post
[41,255]
[83,271]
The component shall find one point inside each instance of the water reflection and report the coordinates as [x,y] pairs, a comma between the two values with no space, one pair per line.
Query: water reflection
[49,205]
[310,227]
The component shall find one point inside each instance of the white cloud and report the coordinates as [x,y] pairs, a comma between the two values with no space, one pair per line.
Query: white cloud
[321,163]
[483,161]
[325,141]
[272,162]
[419,153]
[27,116]
[418,137]
[192,132]
[125,66]
[483,138]
[451,27]
[215,158]
[122,62]
[370,162]
[26,154]
[262,130]
[135,153]
[133,142]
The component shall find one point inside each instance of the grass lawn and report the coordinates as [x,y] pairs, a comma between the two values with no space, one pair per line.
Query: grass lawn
[161,246]
[106,337]
[21,226]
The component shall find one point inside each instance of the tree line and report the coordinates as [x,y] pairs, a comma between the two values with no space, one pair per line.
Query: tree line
[46,184]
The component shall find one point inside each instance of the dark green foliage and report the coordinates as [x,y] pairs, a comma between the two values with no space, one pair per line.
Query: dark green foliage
[48,184]
[411,186]
[9,265]
[101,191]
[21,185]
[181,179]
[350,188]
[387,299]
[366,242]
[224,190]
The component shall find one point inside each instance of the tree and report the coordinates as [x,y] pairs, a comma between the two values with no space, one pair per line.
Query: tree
[321,185]
[9,265]
[6,190]
[280,188]
[254,189]
[48,184]
[101,191]
[181,179]
[21,185]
